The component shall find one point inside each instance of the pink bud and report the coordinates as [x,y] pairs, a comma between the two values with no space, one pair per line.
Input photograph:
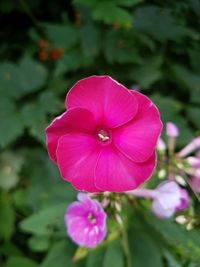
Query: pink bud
[195,183]
[191,147]
[172,130]
[161,146]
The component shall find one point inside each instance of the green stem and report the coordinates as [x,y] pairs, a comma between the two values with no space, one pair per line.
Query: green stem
[29,13]
[125,245]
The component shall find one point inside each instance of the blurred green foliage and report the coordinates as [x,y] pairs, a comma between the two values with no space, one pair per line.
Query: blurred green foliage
[44,49]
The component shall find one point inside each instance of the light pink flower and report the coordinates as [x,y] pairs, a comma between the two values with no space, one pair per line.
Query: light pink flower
[86,221]
[170,198]
[106,139]
[172,130]
[161,146]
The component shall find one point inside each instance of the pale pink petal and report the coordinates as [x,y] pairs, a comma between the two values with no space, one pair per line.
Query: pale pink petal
[73,120]
[110,102]
[77,156]
[117,173]
[137,139]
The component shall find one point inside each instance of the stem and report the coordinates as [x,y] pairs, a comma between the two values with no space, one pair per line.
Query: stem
[29,13]
[125,246]
[146,193]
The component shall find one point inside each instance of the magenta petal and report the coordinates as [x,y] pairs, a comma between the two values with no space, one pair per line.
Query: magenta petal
[110,102]
[117,173]
[77,156]
[74,120]
[137,139]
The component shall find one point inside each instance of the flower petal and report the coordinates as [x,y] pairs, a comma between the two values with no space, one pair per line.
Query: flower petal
[77,156]
[137,139]
[110,102]
[116,173]
[74,120]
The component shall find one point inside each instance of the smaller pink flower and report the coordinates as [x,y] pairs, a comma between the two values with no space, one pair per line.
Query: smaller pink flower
[86,221]
[169,199]
[172,130]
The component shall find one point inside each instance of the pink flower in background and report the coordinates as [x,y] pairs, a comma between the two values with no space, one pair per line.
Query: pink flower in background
[106,139]
[169,199]
[86,221]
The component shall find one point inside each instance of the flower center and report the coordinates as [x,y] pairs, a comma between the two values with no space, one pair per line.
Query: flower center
[103,136]
[91,218]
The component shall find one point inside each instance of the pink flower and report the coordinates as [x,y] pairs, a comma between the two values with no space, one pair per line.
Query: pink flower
[86,221]
[172,130]
[106,139]
[170,198]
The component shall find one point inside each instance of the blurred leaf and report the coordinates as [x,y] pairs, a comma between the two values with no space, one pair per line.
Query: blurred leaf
[145,246]
[20,262]
[96,258]
[47,103]
[120,48]
[172,262]
[59,253]
[7,215]
[11,124]
[148,73]
[194,116]
[159,23]
[113,255]
[10,165]
[39,243]
[187,78]
[21,79]
[45,220]
[61,35]
[186,242]
[90,40]
[109,13]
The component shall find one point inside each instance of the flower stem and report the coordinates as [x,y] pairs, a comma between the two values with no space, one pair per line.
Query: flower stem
[125,246]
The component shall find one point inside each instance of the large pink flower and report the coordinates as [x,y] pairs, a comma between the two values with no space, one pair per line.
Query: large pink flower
[106,139]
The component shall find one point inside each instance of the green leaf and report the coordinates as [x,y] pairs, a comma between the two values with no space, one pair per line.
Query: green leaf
[186,242]
[159,23]
[90,40]
[148,73]
[59,254]
[32,75]
[23,78]
[120,48]
[10,165]
[61,35]
[109,13]
[194,116]
[11,123]
[43,222]
[20,262]
[39,243]
[8,215]
[145,246]
[172,262]
[47,103]
[187,78]
[113,255]
[95,258]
